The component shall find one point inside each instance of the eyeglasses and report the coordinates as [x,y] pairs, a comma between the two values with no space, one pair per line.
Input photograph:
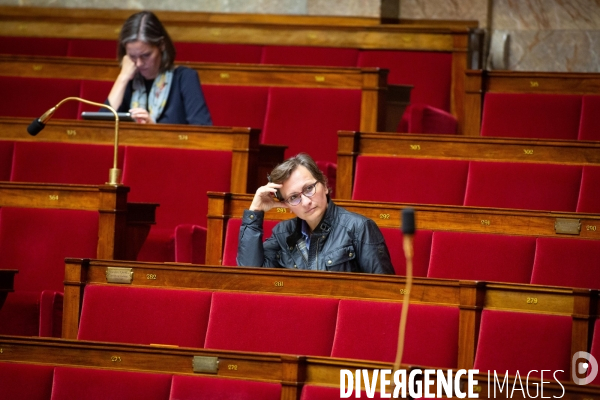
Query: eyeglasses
[307,191]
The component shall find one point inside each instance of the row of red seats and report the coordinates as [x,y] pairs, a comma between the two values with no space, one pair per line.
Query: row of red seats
[286,115]
[532,186]
[343,328]
[428,72]
[177,179]
[479,256]
[544,116]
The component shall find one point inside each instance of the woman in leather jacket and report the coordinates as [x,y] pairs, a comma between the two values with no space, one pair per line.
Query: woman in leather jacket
[322,237]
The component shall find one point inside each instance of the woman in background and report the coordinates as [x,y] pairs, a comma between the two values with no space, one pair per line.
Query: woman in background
[149,86]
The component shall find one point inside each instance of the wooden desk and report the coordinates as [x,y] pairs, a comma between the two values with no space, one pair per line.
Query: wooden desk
[122,228]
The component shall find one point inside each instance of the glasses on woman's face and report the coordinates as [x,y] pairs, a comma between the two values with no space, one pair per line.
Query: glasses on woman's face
[307,191]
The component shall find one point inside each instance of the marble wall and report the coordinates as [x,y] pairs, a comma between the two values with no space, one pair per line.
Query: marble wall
[542,35]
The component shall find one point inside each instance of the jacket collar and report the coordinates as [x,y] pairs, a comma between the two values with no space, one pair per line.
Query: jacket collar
[324,226]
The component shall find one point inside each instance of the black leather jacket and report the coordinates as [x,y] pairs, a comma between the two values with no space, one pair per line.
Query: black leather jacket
[343,241]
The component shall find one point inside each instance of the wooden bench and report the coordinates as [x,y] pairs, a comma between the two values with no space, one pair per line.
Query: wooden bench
[480,83]
[470,297]
[293,373]
[410,38]
[353,144]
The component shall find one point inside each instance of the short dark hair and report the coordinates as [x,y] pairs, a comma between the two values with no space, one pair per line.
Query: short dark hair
[146,27]
[283,171]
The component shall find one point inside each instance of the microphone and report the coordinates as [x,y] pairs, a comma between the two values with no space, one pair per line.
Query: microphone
[114,174]
[40,123]
[408,232]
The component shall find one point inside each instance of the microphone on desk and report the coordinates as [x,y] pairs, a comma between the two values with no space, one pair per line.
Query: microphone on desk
[408,233]
[114,176]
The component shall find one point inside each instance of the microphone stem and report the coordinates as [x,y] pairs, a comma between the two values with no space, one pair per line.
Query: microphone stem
[408,253]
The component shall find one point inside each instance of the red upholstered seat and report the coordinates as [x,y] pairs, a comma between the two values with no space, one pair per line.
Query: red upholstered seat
[595,351]
[531,115]
[178,317]
[589,191]
[237,105]
[209,388]
[99,384]
[36,242]
[566,262]
[6,156]
[421,118]
[92,48]
[514,341]
[421,246]
[31,97]
[429,72]
[218,52]
[25,381]
[94,91]
[480,256]
[368,330]
[308,119]
[178,180]
[410,180]
[232,238]
[315,56]
[34,46]
[551,187]
[54,162]
[589,127]
[314,392]
[271,323]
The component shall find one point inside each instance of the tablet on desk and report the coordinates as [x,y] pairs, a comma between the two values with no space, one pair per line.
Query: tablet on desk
[106,116]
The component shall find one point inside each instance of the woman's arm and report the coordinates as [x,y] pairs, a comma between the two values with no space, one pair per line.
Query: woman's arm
[128,69]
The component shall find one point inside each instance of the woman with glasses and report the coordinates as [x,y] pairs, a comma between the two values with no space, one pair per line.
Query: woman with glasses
[323,237]
[149,85]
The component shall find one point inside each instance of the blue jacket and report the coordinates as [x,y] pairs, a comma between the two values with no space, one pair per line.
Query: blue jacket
[185,105]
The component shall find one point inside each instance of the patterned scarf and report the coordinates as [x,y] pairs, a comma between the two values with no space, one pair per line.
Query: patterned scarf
[159,93]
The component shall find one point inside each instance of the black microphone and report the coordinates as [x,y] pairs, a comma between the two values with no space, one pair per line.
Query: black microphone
[40,123]
[35,127]
[408,221]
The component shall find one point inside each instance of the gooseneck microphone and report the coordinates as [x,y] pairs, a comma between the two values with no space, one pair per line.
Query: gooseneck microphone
[114,177]
[408,233]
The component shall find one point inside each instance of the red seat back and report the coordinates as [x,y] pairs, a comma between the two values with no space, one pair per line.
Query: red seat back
[315,56]
[566,262]
[209,388]
[34,46]
[179,317]
[100,384]
[480,256]
[308,119]
[514,341]
[26,381]
[36,241]
[94,91]
[237,105]
[410,180]
[6,158]
[421,118]
[429,72]
[368,330]
[421,248]
[177,179]
[55,162]
[271,323]
[531,115]
[551,187]
[92,48]
[218,52]
[589,128]
[589,191]
[232,239]
[31,97]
